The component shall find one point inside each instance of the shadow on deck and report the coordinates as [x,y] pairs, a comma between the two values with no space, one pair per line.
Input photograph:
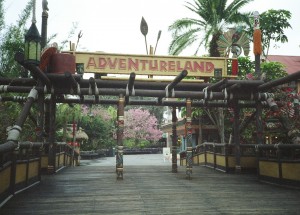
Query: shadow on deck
[93,189]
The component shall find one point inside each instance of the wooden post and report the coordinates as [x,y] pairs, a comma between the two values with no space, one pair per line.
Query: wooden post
[40,116]
[174,140]
[41,96]
[189,155]
[257,49]
[259,124]
[236,136]
[200,132]
[119,157]
[51,139]
[12,186]
[44,26]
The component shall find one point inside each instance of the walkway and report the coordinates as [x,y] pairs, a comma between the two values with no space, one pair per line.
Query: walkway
[92,188]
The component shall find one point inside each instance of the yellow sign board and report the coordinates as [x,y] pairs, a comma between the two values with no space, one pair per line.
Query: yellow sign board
[150,64]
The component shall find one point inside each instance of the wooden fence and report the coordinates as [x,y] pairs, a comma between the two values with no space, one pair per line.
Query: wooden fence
[22,167]
[279,163]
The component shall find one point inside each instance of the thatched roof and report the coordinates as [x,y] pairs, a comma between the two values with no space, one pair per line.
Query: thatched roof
[80,134]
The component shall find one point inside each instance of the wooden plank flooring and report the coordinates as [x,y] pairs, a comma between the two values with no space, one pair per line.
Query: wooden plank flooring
[152,190]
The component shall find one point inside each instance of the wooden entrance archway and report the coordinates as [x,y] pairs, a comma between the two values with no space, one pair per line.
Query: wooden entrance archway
[51,88]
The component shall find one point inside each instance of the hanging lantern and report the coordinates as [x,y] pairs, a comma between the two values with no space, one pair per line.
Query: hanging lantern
[33,45]
[33,42]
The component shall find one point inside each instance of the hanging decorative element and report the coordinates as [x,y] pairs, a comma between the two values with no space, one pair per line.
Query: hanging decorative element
[257,47]
[234,41]
[144,31]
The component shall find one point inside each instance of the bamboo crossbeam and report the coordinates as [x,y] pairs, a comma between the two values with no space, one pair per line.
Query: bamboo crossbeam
[144,85]
[18,81]
[35,70]
[176,81]
[280,81]
[8,146]
[131,82]
[216,85]
[151,93]
[156,102]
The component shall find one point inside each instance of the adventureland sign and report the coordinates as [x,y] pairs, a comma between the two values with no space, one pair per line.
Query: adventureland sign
[150,64]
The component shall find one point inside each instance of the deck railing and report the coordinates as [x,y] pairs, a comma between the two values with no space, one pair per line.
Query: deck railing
[222,156]
[278,163]
[21,167]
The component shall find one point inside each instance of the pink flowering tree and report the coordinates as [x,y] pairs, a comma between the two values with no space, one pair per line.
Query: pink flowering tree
[140,127]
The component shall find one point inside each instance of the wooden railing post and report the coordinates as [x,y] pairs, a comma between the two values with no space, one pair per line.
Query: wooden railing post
[40,163]
[279,160]
[27,165]
[215,156]
[226,157]
[205,154]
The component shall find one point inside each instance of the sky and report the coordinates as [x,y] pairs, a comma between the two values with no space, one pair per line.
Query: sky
[113,26]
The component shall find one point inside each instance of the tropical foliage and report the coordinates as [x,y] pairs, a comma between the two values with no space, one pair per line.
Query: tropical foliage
[11,41]
[212,19]
[97,122]
[272,25]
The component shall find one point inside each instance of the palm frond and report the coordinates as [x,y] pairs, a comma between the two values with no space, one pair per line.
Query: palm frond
[213,18]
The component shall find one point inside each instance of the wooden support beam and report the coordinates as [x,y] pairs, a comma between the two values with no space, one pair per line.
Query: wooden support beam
[216,85]
[120,131]
[170,87]
[259,124]
[189,152]
[267,86]
[130,87]
[236,137]
[18,81]
[154,85]
[51,137]
[35,70]
[174,140]
[14,132]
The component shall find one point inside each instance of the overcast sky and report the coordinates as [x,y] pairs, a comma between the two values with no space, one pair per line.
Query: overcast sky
[114,25]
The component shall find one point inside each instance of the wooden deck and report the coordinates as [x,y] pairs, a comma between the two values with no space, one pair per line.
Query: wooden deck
[152,190]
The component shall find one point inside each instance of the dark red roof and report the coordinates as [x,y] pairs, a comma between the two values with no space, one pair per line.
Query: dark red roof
[292,63]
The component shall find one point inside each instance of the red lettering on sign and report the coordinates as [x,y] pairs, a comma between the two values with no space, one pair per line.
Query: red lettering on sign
[209,67]
[112,64]
[122,64]
[143,62]
[153,66]
[188,66]
[198,66]
[133,65]
[102,63]
[178,66]
[163,65]
[91,63]
[171,65]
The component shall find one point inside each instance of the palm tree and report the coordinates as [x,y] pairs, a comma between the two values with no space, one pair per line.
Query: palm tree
[214,17]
